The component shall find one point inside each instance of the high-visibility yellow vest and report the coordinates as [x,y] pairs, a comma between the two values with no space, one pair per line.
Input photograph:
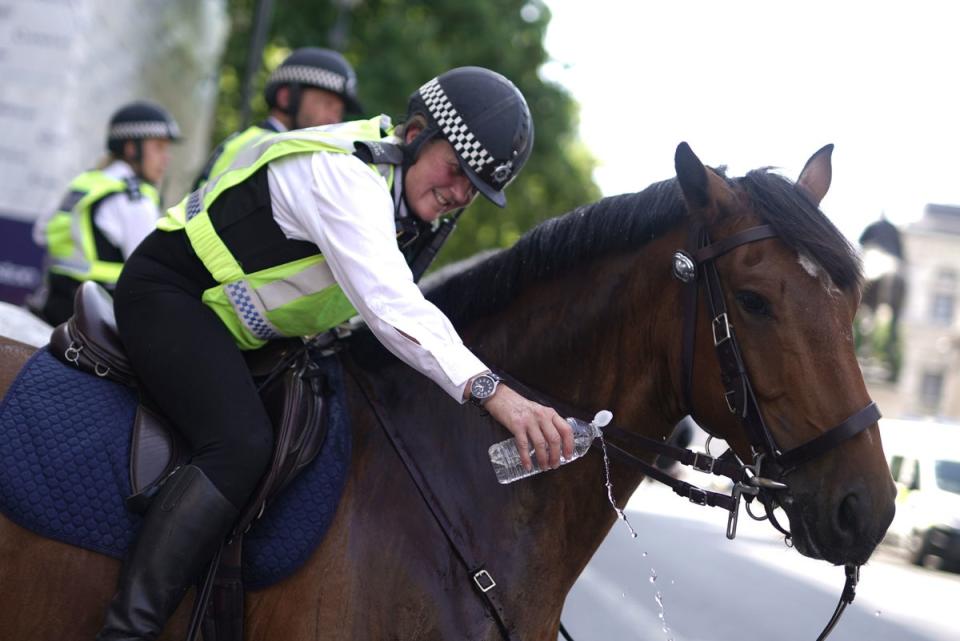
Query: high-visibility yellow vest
[297,298]
[224,154]
[70,233]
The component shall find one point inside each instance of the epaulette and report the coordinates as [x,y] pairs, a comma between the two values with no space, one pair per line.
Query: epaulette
[133,188]
[378,153]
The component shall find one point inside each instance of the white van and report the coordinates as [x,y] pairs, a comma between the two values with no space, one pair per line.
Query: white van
[924,459]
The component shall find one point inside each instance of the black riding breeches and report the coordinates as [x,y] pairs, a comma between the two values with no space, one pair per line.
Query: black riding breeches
[190,365]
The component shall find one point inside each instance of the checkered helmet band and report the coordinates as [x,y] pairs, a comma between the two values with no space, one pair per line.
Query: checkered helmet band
[143,129]
[313,76]
[468,147]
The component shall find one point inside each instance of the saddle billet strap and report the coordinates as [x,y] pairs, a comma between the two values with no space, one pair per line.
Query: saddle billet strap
[482,581]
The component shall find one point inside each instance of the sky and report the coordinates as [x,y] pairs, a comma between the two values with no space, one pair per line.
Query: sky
[752,84]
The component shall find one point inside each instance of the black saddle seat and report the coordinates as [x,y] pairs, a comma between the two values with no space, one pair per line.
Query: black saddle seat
[89,338]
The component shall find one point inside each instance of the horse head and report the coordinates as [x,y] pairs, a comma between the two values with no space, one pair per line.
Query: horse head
[790,297]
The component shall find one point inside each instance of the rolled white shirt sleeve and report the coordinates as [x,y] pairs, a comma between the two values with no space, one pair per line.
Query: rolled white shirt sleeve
[337,202]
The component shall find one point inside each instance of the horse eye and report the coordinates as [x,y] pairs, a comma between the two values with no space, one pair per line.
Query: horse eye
[753,303]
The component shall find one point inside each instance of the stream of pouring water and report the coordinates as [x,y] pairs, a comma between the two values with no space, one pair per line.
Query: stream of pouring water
[601,420]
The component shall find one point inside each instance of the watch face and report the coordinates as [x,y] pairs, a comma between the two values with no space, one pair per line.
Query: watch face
[483,386]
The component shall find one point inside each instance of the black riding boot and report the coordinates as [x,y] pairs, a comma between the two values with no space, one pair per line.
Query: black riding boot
[186,522]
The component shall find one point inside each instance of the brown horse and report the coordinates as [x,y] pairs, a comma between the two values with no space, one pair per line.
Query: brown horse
[585,309]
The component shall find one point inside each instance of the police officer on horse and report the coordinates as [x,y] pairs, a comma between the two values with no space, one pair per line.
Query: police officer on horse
[298,235]
[311,87]
[107,211]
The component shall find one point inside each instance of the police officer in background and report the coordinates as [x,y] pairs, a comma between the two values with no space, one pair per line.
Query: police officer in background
[312,87]
[295,237]
[107,211]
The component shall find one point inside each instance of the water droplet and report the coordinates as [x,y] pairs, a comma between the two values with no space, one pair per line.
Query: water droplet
[658,598]
[877,613]
[660,615]
[672,581]
[644,555]
[623,595]
[633,534]
[653,575]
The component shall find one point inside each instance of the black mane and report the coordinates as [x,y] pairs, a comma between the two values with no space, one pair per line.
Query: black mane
[624,223]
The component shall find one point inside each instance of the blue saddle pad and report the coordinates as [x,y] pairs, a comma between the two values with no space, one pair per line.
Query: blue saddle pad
[64,469]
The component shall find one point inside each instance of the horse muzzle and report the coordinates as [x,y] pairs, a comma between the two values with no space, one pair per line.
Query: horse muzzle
[845,529]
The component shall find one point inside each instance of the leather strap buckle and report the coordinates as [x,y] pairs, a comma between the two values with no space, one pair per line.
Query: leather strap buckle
[484,581]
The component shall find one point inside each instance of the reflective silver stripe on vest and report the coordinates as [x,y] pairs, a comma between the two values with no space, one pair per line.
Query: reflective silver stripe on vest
[309,281]
[250,310]
[248,155]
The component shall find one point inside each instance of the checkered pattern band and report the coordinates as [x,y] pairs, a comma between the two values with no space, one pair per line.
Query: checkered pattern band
[453,126]
[249,312]
[305,75]
[143,129]
[194,204]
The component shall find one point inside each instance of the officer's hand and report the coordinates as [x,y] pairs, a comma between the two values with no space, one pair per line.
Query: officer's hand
[532,424]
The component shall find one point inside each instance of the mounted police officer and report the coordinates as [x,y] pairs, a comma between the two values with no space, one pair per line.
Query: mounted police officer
[312,87]
[107,211]
[297,236]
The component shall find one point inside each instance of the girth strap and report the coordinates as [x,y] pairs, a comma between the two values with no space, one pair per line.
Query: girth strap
[483,583]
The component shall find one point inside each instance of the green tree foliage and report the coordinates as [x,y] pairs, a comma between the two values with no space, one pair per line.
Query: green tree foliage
[397,45]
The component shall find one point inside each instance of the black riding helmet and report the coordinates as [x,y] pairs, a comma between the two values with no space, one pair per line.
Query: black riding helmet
[486,119]
[314,67]
[137,121]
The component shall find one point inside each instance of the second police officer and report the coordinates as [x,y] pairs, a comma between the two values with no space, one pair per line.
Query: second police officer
[311,87]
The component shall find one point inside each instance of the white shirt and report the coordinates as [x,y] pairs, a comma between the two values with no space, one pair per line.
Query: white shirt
[336,202]
[124,222]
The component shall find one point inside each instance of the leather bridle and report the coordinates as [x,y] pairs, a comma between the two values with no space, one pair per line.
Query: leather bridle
[765,477]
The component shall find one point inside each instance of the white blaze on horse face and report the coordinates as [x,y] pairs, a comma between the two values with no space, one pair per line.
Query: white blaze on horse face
[811,267]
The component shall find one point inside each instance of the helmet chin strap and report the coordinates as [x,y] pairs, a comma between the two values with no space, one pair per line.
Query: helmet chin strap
[411,150]
[293,105]
[136,161]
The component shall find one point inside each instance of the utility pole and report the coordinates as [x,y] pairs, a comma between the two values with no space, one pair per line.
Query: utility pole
[258,39]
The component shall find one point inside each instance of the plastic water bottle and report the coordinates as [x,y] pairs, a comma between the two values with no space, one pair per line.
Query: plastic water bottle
[506,459]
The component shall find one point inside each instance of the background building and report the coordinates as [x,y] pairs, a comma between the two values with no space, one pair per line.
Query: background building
[929,375]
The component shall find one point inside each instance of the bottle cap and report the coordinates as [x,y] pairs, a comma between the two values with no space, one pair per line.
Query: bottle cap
[602,418]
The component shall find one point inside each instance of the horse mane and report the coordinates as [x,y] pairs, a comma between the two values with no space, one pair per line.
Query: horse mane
[624,223]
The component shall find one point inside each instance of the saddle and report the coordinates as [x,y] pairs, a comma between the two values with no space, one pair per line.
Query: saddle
[292,389]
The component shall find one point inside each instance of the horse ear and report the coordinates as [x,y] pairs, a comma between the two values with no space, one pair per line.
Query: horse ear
[817,173]
[705,192]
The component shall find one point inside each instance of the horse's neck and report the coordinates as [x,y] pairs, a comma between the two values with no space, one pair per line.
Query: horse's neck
[603,336]
[583,340]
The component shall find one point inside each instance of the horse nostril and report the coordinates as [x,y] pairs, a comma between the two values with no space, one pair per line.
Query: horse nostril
[848,522]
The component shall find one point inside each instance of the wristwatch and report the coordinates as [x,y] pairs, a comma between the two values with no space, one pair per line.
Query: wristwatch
[482,387]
